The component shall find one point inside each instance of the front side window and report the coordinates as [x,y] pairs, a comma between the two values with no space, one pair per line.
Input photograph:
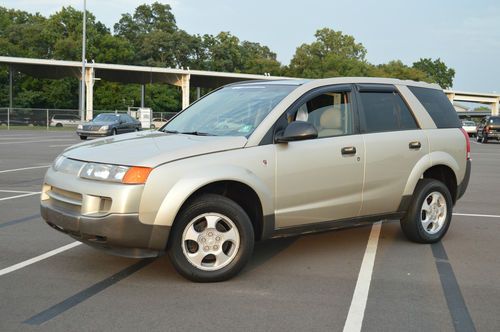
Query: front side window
[330,113]
[230,111]
[386,111]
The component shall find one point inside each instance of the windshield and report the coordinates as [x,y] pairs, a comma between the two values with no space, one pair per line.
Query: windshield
[495,121]
[230,111]
[106,118]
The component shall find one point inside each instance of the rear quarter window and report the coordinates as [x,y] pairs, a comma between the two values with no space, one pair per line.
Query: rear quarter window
[438,106]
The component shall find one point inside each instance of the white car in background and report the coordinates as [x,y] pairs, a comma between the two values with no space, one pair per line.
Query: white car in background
[65,120]
[470,127]
[158,123]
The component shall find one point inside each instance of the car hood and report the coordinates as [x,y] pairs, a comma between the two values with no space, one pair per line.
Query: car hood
[100,123]
[150,148]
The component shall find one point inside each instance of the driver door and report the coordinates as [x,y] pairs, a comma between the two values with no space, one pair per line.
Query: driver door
[321,179]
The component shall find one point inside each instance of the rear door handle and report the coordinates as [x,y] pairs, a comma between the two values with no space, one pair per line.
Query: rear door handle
[348,150]
[415,145]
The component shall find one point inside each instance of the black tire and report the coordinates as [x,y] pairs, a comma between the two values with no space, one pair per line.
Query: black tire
[485,139]
[477,139]
[211,203]
[411,223]
[83,138]
[114,132]
[59,125]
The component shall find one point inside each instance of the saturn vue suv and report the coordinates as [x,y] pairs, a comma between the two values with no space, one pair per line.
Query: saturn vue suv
[264,159]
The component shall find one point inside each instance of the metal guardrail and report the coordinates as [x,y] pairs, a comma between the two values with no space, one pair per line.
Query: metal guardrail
[51,118]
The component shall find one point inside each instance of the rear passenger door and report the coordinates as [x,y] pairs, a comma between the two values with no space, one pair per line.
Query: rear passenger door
[320,179]
[393,145]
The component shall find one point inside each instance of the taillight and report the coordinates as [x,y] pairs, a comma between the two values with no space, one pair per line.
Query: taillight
[467,142]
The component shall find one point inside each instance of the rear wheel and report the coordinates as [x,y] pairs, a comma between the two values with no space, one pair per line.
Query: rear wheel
[59,125]
[429,215]
[212,239]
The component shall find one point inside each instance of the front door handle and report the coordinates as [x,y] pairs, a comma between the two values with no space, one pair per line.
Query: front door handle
[348,150]
[415,145]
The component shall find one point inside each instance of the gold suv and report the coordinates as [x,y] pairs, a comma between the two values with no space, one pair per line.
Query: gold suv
[257,160]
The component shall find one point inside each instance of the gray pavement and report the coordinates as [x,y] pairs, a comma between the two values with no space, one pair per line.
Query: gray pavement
[296,284]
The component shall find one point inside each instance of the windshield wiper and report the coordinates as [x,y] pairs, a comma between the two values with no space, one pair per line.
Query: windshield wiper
[170,131]
[197,133]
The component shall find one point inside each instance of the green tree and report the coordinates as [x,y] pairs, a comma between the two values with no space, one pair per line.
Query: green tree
[437,71]
[258,59]
[331,54]
[397,69]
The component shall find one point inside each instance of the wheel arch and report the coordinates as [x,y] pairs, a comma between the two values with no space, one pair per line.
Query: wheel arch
[240,185]
[437,165]
[239,192]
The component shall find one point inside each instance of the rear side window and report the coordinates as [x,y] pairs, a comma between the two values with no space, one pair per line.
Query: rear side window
[386,111]
[438,106]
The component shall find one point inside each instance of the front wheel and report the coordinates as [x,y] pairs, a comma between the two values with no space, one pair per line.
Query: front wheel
[212,239]
[429,216]
[83,138]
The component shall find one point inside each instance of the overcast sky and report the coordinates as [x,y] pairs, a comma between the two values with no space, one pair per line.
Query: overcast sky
[464,34]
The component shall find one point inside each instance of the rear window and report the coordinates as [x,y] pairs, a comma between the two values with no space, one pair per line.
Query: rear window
[438,106]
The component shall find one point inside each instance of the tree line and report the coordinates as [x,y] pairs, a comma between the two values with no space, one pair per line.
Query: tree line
[150,36]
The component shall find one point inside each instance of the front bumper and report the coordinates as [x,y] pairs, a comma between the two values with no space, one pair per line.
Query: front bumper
[101,214]
[94,133]
[119,234]
[493,135]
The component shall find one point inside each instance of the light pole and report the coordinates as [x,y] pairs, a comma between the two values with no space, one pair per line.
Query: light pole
[82,90]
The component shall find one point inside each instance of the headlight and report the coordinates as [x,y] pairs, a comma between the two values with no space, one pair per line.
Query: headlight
[104,172]
[69,166]
[103,128]
[57,163]
[80,127]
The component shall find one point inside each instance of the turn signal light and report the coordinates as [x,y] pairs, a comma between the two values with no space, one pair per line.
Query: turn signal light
[136,175]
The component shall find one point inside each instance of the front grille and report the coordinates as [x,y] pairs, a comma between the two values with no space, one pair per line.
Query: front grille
[65,200]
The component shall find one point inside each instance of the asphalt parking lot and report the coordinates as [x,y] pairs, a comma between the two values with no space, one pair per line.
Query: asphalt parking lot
[314,282]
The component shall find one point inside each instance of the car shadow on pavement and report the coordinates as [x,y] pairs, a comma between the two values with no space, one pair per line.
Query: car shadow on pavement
[266,250]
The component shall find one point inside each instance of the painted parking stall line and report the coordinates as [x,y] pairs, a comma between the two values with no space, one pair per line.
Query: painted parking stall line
[39,141]
[477,215]
[354,321]
[18,191]
[23,169]
[20,196]
[36,259]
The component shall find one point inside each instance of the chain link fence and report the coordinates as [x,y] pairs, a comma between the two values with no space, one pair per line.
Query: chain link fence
[56,119]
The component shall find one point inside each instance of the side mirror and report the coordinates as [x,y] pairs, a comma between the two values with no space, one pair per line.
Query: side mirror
[297,131]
